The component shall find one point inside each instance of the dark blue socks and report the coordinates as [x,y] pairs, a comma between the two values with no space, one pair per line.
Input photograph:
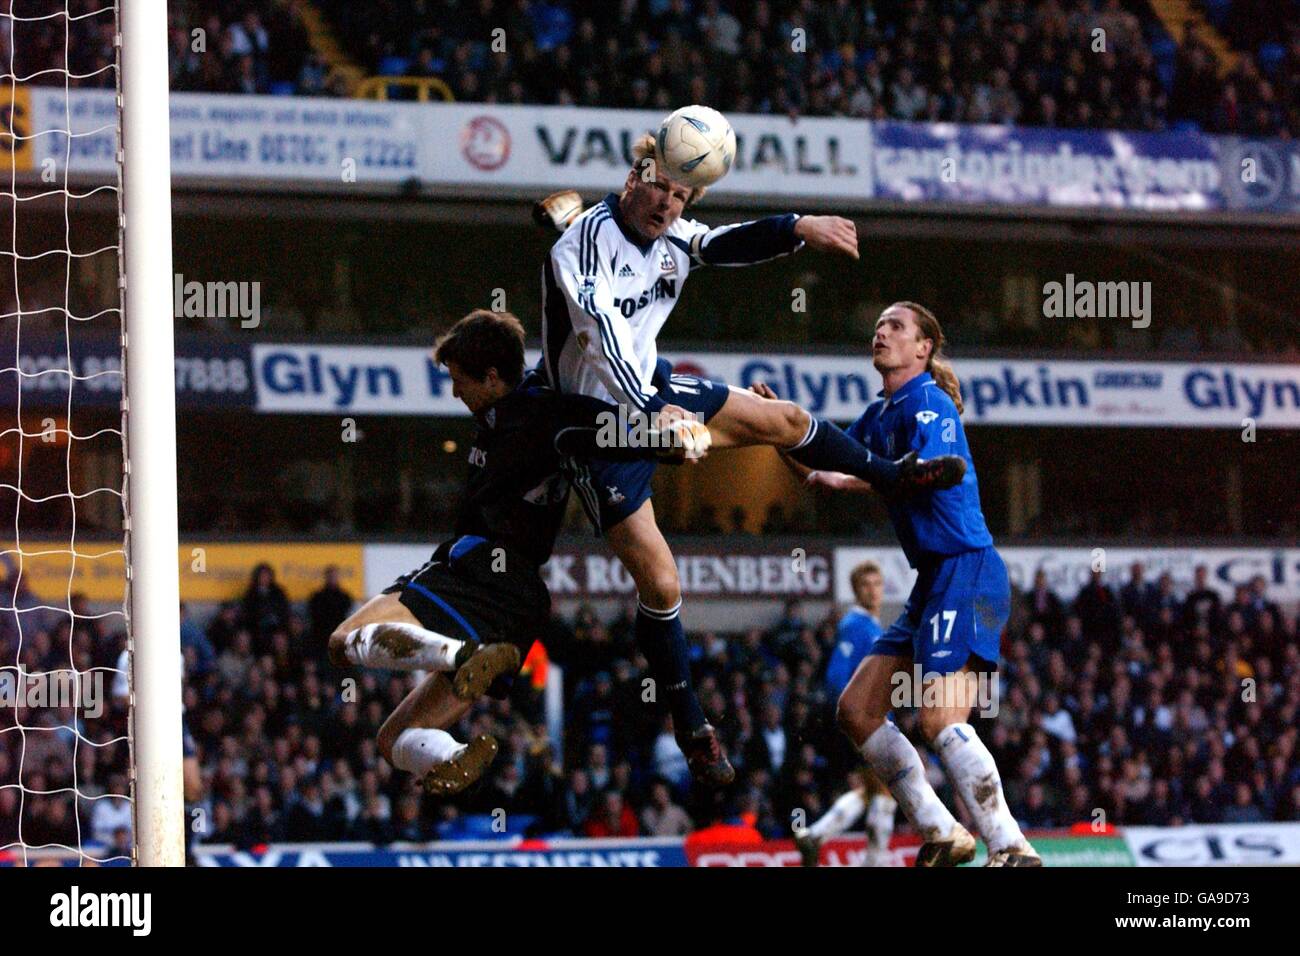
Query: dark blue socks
[661,638]
[826,448]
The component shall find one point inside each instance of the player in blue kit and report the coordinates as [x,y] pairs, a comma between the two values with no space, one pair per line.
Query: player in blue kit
[951,625]
[857,632]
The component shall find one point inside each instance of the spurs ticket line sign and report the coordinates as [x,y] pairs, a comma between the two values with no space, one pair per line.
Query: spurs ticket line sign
[330,143]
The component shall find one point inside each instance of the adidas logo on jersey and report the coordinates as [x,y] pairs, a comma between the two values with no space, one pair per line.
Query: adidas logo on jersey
[625,271]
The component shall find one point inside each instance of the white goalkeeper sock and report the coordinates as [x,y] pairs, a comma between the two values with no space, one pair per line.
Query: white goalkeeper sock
[880,821]
[896,762]
[419,749]
[842,815]
[974,776]
[401,647]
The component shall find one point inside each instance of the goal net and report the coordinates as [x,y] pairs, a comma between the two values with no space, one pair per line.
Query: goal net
[90,736]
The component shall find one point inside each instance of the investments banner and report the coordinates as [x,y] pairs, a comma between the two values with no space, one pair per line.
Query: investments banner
[501,853]
[491,149]
[697,850]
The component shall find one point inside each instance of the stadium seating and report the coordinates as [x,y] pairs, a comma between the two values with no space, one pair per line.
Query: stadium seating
[1128,700]
[1044,49]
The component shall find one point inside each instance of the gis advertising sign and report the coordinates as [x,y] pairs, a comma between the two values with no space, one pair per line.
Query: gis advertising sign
[1069,569]
[404,380]
[1227,844]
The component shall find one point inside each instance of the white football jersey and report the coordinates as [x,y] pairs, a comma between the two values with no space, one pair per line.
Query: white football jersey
[605,296]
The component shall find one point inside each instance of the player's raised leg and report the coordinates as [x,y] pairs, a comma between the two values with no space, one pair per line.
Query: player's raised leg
[414,739]
[759,418]
[383,633]
[661,638]
[862,714]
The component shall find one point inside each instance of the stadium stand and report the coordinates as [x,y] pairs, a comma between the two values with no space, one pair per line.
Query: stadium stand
[1129,700]
[1234,70]
[1030,63]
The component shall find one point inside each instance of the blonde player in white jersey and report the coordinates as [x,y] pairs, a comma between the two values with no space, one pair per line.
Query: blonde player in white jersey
[608,286]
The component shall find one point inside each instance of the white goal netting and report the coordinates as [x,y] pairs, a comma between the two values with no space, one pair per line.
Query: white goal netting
[65,749]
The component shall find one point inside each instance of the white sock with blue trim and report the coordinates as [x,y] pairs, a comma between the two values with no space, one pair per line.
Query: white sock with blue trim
[974,775]
[401,647]
[880,821]
[843,813]
[896,762]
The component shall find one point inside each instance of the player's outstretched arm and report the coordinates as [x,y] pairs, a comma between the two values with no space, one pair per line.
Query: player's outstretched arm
[828,233]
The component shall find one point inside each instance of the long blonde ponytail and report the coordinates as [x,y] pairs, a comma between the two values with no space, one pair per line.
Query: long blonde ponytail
[938,365]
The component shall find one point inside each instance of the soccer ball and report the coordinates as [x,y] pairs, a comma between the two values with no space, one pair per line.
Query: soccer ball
[696,146]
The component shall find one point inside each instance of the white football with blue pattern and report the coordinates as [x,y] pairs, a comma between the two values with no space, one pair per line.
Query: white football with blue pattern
[696,146]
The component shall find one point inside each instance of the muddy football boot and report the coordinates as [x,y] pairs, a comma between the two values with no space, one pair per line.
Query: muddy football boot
[1022,855]
[483,664]
[956,848]
[453,776]
[706,758]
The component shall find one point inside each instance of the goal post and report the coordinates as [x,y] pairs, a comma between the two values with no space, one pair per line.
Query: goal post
[149,428]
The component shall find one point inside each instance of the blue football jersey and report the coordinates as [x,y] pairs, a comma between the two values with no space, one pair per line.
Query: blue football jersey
[921,417]
[856,633]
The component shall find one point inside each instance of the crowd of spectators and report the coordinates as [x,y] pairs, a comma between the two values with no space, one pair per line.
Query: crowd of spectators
[994,61]
[243,46]
[1028,62]
[1154,707]
[218,46]
[1268,34]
